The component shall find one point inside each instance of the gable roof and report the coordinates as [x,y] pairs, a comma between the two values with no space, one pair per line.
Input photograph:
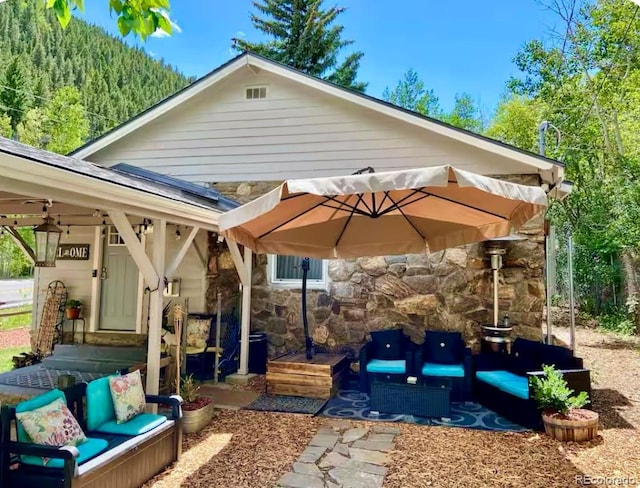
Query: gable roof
[251,59]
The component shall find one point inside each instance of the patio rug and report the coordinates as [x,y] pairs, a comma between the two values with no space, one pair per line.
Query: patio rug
[287,404]
[353,404]
[42,378]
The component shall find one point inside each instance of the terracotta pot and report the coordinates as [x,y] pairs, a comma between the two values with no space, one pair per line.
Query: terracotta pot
[579,426]
[195,420]
[72,313]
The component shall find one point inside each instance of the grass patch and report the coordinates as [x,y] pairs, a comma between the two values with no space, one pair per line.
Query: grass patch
[15,321]
[6,364]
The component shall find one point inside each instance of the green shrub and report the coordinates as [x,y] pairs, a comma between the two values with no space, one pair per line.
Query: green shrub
[551,392]
[618,322]
[189,389]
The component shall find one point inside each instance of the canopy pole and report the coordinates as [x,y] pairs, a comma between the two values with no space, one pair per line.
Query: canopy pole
[308,342]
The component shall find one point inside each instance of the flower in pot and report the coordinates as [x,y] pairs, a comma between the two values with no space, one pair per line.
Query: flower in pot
[562,413]
[197,410]
[73,309]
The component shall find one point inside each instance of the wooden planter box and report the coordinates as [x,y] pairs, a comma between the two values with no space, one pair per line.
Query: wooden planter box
[571,430]
[318,377]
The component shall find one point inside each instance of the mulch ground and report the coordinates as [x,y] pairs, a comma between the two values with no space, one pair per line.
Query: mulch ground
[253,449]
[14,337]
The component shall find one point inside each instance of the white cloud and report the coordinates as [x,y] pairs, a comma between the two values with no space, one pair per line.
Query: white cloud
[159,33]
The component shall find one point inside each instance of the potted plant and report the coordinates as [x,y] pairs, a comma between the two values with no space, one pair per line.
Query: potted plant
[73,309]
[562,413]
[197,411]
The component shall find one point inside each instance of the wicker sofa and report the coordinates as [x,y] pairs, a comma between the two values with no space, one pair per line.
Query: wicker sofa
[502,380]
[104,460]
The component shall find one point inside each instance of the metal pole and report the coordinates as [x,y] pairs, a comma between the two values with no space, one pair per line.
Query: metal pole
[572,305]
[548,244]
[495,297]
[218,328]
[542,129]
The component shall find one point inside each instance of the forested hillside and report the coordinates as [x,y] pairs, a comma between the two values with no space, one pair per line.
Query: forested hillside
[38,59]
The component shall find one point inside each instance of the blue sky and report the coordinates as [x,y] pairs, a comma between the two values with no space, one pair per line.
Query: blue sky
[455,46]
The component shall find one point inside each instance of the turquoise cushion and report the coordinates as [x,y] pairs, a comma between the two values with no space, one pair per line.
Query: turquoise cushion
[141,423]
[391,366]
[32,404]
[99,403]
[508,382]
[436,369]
[89,449]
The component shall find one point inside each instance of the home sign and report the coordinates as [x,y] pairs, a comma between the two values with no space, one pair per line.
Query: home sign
[73,252]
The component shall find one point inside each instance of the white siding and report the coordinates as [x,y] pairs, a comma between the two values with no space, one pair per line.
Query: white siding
[76,276]
[295,132]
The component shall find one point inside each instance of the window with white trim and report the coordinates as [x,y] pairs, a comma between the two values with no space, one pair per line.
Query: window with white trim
[114,237]
[286,271]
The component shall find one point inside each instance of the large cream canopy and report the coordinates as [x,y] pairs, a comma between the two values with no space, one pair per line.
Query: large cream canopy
[398,212]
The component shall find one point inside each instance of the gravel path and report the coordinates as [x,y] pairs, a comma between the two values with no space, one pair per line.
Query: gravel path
[14,337]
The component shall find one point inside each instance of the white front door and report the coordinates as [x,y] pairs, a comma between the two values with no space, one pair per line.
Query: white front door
[119,290]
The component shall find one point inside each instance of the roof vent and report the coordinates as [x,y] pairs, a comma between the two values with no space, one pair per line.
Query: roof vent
[256,92]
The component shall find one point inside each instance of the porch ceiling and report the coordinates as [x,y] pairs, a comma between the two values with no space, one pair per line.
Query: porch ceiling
[22,210]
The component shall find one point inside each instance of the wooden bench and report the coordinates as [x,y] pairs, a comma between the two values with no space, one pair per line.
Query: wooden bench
[127,462]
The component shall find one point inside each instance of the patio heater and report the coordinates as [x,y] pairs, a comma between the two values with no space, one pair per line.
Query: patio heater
[496,335]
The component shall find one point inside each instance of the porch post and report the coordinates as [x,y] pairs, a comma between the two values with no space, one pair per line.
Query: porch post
[246,314]
[154,334]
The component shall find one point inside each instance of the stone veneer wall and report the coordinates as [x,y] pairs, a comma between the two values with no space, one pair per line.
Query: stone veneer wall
[447,290]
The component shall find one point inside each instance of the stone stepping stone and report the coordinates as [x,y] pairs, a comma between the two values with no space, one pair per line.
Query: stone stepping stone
[324,440]
[296,480]
[367,456]
[333,459]
[341,449]
[386,429]
[365,467]
[354,434]
[381,437]
[311,454]
[356,479]
[373,446]
[310,469]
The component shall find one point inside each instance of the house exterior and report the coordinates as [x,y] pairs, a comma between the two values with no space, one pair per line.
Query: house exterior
[116,206]
[253,123]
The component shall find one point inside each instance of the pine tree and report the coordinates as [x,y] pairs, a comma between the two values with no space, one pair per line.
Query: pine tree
[305,36]
[14,100]
[52,58]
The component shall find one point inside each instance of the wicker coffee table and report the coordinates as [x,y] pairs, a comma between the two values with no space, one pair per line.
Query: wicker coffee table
[432,399]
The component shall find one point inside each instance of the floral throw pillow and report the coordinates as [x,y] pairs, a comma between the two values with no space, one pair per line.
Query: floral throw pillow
[128,396]
[198,332]
[52,425]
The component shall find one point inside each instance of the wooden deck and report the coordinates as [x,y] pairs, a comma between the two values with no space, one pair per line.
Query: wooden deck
[318,377]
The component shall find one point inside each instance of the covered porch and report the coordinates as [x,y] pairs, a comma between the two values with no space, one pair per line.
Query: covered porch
[95,205]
